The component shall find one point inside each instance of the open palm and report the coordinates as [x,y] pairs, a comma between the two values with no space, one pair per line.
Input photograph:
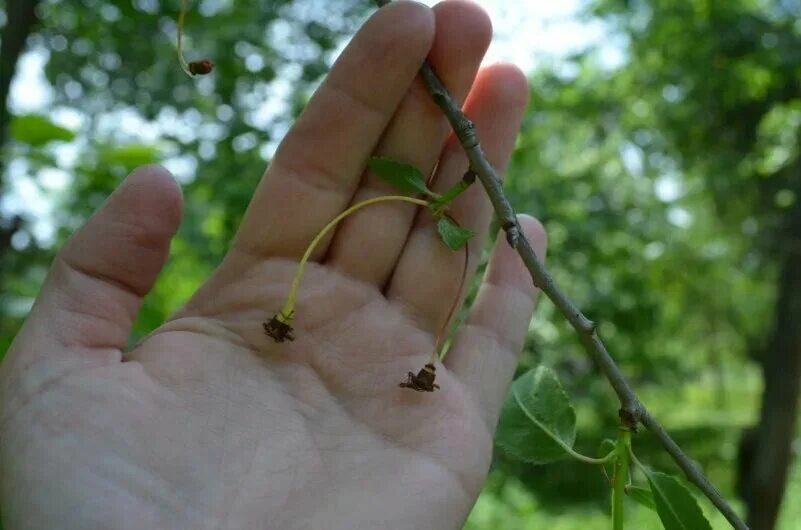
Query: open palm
[208,423]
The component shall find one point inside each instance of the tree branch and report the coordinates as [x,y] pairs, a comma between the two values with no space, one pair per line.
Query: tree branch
[631,409]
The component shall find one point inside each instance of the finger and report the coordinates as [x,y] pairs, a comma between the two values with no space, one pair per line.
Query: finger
[485,351]
[96,283]
[415,136]
[319,164]
[426,282]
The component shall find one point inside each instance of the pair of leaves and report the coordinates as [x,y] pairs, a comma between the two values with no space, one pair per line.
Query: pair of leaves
[538,425]
[675,505]
[409,179]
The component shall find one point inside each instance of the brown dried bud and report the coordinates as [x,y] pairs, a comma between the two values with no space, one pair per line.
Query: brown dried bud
[423,381]
[278,330]
[201,67]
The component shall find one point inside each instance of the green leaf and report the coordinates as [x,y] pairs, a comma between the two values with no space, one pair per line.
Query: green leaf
[538,423]
[607,446]
[130,155]
[452,234]
[405,177]
[676,506]
[641,496]
[37,130]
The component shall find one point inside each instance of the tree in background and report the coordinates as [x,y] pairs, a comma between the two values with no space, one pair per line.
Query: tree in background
[721,82]
[670,186]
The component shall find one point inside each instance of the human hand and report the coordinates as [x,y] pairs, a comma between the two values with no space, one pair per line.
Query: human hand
[207,423]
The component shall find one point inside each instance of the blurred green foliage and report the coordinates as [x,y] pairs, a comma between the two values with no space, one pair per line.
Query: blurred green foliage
[664,183]
[36,131]
[114,73]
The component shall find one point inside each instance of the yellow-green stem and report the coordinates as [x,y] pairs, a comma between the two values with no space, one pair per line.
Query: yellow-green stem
[180,44]
[442,334]
[289,307]
[620,477]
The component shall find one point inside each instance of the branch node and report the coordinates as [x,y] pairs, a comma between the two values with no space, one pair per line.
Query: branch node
[512,230]
[466,132]
[440,98]
[629,414]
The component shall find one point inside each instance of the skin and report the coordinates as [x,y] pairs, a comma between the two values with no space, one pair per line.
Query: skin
[207,423]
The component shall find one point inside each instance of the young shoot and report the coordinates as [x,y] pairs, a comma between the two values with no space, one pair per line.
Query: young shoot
[279,327]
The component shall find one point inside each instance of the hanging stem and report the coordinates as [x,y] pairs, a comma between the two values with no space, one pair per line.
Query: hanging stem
[180,44]
[289,307]
[279,326]
[201,67]
[436,353]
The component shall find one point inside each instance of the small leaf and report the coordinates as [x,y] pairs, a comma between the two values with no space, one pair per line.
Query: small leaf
[676,506]
[537,421]
[452,234]
[405,177]
[607,446]
[641,496]
[130,155]
[37,130]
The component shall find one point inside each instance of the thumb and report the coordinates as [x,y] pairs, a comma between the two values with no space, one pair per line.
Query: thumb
[96,284]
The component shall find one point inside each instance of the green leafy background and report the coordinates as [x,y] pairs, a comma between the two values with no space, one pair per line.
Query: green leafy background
[665,184]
